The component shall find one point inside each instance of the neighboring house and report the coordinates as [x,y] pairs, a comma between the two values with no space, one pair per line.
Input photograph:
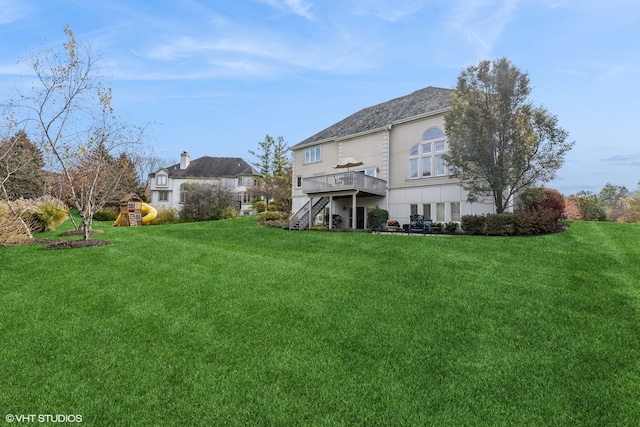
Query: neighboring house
[400,144]
[237,175]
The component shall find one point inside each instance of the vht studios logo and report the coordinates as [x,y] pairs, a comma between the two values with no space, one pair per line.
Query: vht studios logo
[43,418]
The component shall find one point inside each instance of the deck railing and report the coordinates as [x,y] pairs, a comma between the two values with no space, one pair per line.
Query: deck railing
[344,181]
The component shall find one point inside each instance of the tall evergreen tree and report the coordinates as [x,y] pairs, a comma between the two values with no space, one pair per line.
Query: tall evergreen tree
[21,168]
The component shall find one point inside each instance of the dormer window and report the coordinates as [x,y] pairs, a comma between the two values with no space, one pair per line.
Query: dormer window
[161,180]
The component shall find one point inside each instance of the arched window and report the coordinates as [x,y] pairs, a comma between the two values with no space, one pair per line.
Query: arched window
[425,159]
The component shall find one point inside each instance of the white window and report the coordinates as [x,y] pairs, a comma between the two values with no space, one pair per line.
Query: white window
[413,162]
[440,212]
[245,180]
[161,180]
[455,211]
[163,196]
[231,182]
[312,154]
[183,193]
[426,211]
[425,160]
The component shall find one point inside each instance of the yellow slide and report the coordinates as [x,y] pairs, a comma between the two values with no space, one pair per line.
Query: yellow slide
[149,214]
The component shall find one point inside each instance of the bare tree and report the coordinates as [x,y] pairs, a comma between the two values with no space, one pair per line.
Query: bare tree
[70,112]
[144,165]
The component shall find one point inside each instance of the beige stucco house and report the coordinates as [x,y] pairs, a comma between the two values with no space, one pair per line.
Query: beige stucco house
[400,144]
[167,184]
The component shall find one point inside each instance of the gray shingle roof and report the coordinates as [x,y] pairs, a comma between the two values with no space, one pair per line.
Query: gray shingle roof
[419,102]
[213,167]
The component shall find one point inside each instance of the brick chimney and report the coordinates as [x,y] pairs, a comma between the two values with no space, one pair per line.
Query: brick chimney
[184,160]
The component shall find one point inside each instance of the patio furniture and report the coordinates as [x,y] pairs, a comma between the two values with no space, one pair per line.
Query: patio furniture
[417,224]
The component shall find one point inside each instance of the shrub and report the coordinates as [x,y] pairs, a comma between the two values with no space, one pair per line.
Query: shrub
[474,224]
[377,217]
[274,207]
[206,202]
[107,214]
[53,211]
[500,224]
[273,216]
[572,209]
[525,223]
[43,214]
[37,220]
[273,219]
[11,231]
[547,221]
[260,206]
[451,227]
[521,223]
[554,203]
[166,216]
[228,212]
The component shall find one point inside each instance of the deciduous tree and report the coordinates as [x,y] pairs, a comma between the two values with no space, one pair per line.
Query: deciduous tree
[206,202]
[632,209]
[590,207]
[71,112]
[612,198]
[499,142]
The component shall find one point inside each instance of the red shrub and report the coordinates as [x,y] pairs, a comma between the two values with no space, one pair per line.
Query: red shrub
[572,210]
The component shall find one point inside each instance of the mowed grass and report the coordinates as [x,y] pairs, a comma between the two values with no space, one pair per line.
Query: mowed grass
[226,323]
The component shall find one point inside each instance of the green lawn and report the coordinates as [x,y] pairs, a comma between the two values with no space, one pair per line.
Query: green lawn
[226,323]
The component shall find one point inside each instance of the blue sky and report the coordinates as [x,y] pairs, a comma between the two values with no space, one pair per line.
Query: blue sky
[214,77]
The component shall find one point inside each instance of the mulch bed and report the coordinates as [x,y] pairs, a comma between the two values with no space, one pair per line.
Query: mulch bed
[53,244]
[70,244]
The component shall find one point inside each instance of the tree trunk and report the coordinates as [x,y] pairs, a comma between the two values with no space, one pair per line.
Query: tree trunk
[86,225]
[497,197]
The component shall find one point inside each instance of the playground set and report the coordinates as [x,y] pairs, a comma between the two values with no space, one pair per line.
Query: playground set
[134,212]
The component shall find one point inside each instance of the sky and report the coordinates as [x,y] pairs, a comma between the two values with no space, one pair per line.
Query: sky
[213,78]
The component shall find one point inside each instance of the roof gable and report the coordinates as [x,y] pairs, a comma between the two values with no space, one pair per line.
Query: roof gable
[213,167]
[417,103]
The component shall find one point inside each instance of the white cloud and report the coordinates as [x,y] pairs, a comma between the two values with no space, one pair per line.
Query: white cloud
[297,7]
[481,22]
[389,10]
[11,11]
[236,49]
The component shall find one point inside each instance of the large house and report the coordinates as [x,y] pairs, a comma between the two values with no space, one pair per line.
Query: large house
[167,184]
[395,149]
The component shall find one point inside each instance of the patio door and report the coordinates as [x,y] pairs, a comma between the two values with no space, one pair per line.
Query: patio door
[359,217]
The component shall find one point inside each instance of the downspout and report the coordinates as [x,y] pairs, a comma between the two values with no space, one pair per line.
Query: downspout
[385,156]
